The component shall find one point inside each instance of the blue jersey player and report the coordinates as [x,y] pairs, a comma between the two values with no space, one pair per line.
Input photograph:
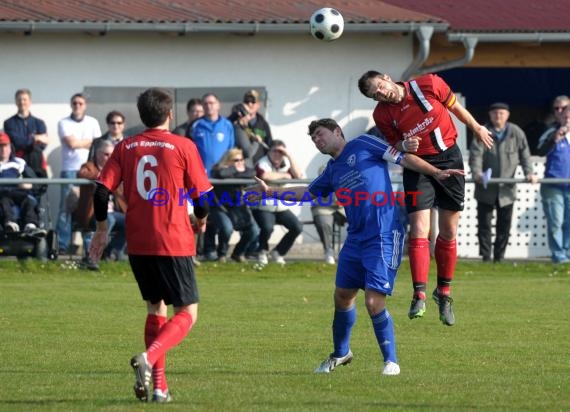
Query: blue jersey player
[372,252]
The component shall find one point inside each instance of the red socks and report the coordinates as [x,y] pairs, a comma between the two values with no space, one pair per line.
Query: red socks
[170,335]
[418,251]
[151,330]
[446,258]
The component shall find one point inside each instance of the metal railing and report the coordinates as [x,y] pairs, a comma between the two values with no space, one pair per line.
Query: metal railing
[62,181]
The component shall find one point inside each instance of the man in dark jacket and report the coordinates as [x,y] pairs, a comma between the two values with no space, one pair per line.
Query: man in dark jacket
[510,150]
[17,196]
[258,123]
[28,134]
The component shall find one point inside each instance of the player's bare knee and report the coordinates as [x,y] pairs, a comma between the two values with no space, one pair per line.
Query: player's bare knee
[158,309]
[447,235]
[191,309]
[375,302]
[344,298]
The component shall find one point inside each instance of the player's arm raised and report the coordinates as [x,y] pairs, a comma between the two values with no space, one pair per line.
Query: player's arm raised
[417,164]
[480,131]
[256,192]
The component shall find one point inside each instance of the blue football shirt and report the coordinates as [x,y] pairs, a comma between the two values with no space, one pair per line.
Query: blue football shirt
[360,179]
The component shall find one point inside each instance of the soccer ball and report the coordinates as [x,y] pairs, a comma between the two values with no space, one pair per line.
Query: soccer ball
[326,24]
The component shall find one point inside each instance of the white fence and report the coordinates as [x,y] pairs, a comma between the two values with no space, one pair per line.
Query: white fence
[528,231]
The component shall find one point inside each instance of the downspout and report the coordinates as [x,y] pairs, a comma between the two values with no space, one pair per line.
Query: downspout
[469,43]
[424,34]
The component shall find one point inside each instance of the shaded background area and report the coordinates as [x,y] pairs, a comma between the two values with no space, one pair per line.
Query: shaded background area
[528,91]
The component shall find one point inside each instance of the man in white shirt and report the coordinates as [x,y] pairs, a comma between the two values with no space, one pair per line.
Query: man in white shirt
[76,133]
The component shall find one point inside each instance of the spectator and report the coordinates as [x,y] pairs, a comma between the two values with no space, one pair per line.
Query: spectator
[556,197]
[212,133]
[230,213]
[559,104]
[510,149]
[84,214]
[28,134]
[76,133]
[194,110]
[115,131]
[325,216]
[17,195]
[540,121]
[257,122]
[326,212]
[252,144]
[277,165]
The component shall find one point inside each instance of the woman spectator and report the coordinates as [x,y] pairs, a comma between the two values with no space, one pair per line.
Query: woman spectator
[84,213]
[115,131]
[230,213]
[277,165]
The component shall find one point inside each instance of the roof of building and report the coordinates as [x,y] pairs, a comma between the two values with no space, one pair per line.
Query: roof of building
[209,11]
[454,16]
[496,15]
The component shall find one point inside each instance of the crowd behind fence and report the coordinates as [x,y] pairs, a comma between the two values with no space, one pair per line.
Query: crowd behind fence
[528,234]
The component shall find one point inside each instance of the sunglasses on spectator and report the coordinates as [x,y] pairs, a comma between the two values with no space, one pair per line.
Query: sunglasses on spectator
[559,108]
[241,159]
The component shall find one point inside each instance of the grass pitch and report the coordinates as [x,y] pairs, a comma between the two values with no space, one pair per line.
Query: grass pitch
[67,336]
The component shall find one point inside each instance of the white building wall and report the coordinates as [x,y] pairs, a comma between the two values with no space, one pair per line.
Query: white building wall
[305,79]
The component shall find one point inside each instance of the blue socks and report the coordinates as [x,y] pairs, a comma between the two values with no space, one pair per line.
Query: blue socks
[384,331]
[342,326]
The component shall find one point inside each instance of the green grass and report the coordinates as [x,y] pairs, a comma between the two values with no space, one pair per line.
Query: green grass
[66,337]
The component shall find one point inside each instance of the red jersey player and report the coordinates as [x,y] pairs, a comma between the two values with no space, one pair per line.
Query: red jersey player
[414,117]
[159,172]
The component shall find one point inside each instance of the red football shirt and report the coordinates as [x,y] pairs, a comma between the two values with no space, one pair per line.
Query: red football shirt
[423,112]
[157,169]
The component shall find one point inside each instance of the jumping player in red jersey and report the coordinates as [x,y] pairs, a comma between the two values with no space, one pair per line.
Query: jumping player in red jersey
[157,168]
[414,117]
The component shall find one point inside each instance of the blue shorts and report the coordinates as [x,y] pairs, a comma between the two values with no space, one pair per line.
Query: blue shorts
[371,264]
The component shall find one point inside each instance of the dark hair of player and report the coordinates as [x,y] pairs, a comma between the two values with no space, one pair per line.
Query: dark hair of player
[154,107]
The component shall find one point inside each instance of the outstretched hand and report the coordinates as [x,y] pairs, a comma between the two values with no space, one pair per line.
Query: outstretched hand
[255,192]
[485,136]
[444,174]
